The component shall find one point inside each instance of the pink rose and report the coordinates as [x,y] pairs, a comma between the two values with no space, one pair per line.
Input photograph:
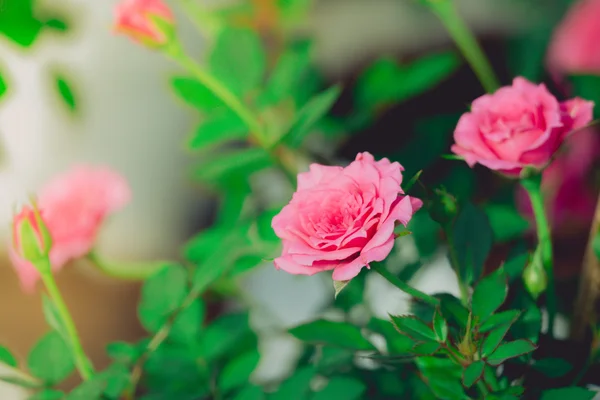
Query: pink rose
[567,193]
[146,21]
[575,45]
[342,219]
[518,126]
[73,206]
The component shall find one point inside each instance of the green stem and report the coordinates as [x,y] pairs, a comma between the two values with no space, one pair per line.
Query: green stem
[83,364]
[462,286]
[466,42]
[222,92]
[533,187]
[281,155]
[380,269]
[483,389]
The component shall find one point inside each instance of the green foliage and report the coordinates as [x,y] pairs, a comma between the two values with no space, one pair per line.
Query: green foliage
[507,224]
[237,371]
[19,23]
[238,60]
[332,333]
[48,394]
[473,373]
[6,357]
[571,393]
[552,367]
[3,84]
[414,328]
[509,350]
[218,129]
[310,114]
[473,240]
[66,92]
[50,359]
[489,295]
[440,326]
[341,388]
[386,82]
[195,93]
[162,294]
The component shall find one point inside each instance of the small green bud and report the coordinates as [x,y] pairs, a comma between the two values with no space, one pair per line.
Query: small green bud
[534,276]
[443,207]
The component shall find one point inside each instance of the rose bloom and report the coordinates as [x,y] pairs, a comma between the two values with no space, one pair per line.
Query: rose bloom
[569,197]
[73,206]
[575,45]
[518,126]
[135,19]
[342,219]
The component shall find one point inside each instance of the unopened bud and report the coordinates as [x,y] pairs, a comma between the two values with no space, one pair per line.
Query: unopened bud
[442,207]
[534,276]
[31,238]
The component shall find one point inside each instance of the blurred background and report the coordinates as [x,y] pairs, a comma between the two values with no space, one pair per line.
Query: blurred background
[74,92]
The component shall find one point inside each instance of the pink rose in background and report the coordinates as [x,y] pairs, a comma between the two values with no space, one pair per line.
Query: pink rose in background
[517,126]
[74,206]
[567,194]
[575,45]
[135,18]
[342,219]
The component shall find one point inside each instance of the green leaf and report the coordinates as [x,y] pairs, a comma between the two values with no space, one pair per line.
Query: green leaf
[413,327]
[297,386]
[218,129]
[287,75]
[440,326]
[311,113]
[529,324]
[222,167]
[510,350]
[506,222]
[3,85]
[18,22]
[493,339]
[489,294]
[221,337]
[472,373]
[338,286]
[339,334]
[123,352]
[89,390]
[473,239]
[65,90]
[570,393]
[48,394]
[237,371]
[162,293]
[238,60]
[50,359]
[396,342]
[195,93]
[505,317]
[426,348]
[6,357]
[552,367]
[387,82]
[186,327]
[341,388]
[453,311]
[57,24]
[443,377]
[250,392]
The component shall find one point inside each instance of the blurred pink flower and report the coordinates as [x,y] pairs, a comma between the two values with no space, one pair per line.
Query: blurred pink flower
[138,20]
[342,219]
[568,195]
[575,45]
[74,206]
[517,126]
